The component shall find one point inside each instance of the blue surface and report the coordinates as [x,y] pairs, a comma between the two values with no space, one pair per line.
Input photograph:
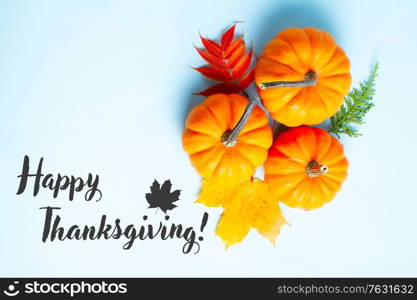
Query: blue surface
[104,87]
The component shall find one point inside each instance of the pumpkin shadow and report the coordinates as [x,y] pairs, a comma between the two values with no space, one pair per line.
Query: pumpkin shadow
[199,84]
[292,15]
[277,19]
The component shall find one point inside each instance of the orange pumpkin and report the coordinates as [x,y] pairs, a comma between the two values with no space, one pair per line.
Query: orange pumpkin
[206,126]
[307,54]
[305,167]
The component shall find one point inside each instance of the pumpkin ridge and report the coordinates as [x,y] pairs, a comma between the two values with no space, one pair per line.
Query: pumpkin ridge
[199,152]
[332,189]
[275,161]
[299,168]
[268,106]
[311,44]
[202,133]
[314,145]
[290,191]
[322,100]
[235,107]
[258,122]
[338,176]
[325,160]
[334,161]
[290,102]
[247,159]
[277,193]
[232,116]
[339,77]
[288,153]
[205,149]
[333,106]
[304,32]
[218,164]
[339,167]
[330,59]
[281,63]
[215,171]
[250,144]
[333,158]
[332,179]
[243,154]
[325,105]
[214,117]
[217,153]
[234,112]
[322,85]
[311,195]
[261,128]
[319,132]
[335,76]
[310,150]
[335,65]
[295,51]
[327,188]
[306,107]
[323,33]
[287,111]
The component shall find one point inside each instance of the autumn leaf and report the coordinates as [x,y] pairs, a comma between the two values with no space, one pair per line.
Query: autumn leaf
[215,191]
[162,197]
[228,63]
[250,205]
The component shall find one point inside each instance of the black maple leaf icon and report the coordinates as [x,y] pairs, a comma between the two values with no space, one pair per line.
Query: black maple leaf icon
[162,197]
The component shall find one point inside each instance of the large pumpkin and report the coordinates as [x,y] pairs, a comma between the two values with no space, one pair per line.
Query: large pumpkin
[305,167]
[297,54]
[203,138]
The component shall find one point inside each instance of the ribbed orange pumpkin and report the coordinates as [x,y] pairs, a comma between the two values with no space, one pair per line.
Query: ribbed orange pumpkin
[297,54]
[206,125]
[305,167]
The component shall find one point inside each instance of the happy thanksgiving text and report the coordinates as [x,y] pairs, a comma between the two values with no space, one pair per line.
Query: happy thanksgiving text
[37,180]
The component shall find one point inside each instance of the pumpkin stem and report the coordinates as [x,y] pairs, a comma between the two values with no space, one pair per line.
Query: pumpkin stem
[310,80]
[229,138]
[315,169]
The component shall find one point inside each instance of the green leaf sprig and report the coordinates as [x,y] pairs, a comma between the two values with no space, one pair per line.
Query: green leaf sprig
[357,104]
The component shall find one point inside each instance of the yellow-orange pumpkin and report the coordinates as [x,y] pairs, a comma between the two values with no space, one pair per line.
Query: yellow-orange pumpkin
[305,167]
[297,54]
[206,125]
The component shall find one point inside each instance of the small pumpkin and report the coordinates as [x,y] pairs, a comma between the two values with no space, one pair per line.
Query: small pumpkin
[305,167]
[206,127]
[313,70]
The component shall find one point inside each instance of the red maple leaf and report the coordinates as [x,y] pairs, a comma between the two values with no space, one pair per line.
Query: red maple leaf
[228,63]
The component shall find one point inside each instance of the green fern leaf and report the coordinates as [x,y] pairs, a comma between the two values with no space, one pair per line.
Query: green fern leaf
[358,102]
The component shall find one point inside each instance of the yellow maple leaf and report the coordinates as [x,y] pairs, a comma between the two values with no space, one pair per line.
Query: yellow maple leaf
[215,191]
[250,205]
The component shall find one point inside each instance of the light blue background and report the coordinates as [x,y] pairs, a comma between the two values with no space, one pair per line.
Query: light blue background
[104,87]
